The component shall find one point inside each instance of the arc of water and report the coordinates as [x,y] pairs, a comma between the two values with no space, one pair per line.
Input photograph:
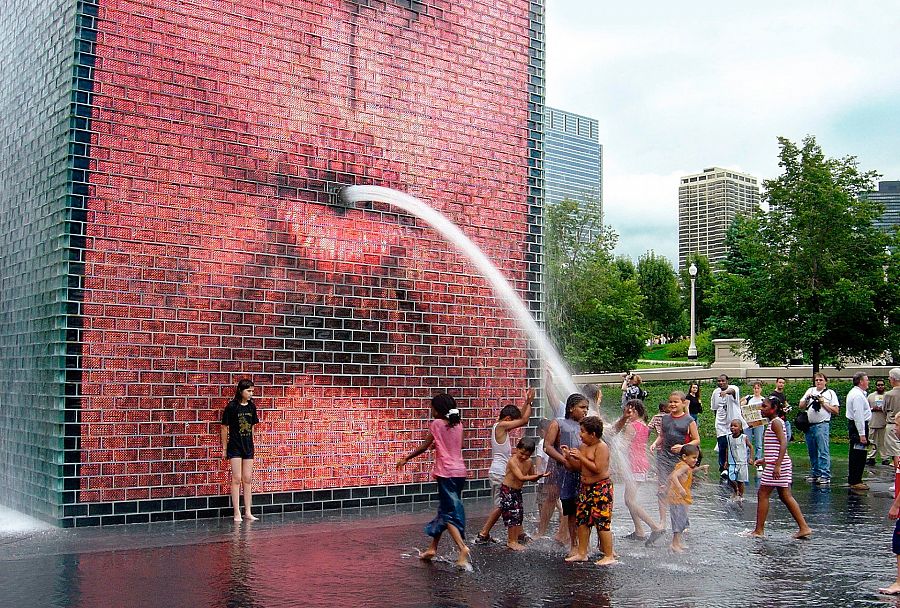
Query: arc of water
[502,289]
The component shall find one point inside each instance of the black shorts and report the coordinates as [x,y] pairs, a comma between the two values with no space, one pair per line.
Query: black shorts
[569,505]
[895,546]
[239,451]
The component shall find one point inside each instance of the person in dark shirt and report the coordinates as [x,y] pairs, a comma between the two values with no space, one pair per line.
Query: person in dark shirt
[238,419]
[695,407]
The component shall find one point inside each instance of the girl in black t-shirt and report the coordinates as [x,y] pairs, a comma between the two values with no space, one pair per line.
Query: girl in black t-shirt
[238,419]
[695,407]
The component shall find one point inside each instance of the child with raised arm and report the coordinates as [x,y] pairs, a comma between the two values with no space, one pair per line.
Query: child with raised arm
[595,497]
[519,469]
[510,417]
[736,460]
[445,433]
[679,493]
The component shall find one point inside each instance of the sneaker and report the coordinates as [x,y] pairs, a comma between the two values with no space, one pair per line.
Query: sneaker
[811,479]
[484,539]
[823,481]
[724,474]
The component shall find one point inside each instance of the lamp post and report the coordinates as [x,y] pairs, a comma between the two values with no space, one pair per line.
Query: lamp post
[692,349]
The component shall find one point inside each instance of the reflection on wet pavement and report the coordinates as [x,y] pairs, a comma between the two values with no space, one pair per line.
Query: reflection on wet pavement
[368,558]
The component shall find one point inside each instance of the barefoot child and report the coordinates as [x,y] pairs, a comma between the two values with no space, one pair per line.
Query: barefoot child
[566,431]
[633,427]
[778,471]
[736,459]
[678,493]
[595,497]
[547,494]
[678,429]
[445,433]
[238,419]
[511,417]
[519,469]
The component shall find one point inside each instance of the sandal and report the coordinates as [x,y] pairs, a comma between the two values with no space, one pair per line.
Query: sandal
[483,539]
[636,536]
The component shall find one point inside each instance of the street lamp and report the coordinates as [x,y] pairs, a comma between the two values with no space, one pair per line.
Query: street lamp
[692,349]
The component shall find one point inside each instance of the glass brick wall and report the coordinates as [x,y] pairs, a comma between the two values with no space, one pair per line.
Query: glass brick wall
[198,241]
[35,108]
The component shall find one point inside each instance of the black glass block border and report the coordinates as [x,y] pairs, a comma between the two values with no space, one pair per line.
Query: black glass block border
[206,507]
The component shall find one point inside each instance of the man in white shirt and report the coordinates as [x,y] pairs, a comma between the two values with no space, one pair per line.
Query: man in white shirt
[726,403]
[858,416]
[820,403]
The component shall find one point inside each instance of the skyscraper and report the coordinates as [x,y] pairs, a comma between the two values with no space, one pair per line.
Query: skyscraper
[573,159]
[707,204]
[888,194]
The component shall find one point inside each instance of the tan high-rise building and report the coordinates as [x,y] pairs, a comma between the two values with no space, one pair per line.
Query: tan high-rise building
[707,204]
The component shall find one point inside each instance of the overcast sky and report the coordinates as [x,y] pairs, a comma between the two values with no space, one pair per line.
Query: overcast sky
[681,86]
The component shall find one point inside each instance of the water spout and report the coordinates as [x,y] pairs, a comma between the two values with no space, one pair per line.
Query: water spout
[502,289]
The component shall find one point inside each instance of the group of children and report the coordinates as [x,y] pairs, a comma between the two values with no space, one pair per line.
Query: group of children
[574,472]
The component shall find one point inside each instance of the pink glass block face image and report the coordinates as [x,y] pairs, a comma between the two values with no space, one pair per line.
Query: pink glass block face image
[216,250]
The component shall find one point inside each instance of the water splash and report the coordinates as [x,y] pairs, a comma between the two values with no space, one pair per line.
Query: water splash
[502,289]
[13,522]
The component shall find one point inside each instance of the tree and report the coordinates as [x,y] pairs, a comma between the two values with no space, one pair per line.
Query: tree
[662,307]
[808,276]
[704,284]
[593,312]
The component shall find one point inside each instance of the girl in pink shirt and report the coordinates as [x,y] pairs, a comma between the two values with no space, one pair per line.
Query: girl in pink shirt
[445,434]
[634,429]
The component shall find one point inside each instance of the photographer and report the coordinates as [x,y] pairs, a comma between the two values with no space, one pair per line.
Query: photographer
[631,388]
[820,403]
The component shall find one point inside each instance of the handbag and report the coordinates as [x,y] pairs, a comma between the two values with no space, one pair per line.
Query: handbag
[801,422]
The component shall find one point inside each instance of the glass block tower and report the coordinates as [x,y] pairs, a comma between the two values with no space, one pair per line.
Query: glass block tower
[168,174]
[707,204]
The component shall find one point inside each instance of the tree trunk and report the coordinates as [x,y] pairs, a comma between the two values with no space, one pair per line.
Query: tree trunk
[816,358]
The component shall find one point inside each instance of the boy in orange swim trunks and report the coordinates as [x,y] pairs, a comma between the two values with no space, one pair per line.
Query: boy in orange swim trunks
[595,498]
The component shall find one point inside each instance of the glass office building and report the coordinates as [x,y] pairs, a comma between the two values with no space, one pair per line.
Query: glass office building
[573,159]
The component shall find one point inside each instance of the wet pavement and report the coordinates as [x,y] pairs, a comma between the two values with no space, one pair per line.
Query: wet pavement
[368,558]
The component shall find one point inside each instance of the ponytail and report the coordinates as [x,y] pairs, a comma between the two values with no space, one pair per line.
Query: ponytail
[445,407]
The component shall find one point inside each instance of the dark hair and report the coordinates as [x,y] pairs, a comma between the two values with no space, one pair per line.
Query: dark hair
[591,391]
[443,404]
[775,402]
[689,449]
[857,377]
[663,406]
[242,385]
[593,425]
[723,376]
[510,411]
[573,400]
[527,443]
[638,406]
[697,384]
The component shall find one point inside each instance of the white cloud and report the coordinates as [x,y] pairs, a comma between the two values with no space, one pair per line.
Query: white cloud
[682,86]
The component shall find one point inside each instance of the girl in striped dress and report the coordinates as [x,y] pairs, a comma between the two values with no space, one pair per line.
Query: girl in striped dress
[778,471]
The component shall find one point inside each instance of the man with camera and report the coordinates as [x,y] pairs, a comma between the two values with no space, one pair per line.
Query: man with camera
[858,416]
[820,404]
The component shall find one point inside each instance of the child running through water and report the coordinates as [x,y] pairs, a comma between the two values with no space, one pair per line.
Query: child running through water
[778,472]
[679,494]
[510,417]
[678,429]
[736,459]
[566,431]
[519,469]
[445,433]
[595,497]
[633,427]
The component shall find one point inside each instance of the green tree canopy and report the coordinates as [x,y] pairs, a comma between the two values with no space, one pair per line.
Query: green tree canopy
[809,275]
[659,287]
[593,312]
